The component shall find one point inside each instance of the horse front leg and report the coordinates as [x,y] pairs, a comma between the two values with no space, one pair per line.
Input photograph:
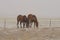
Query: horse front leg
[30,24]
[27,25]
[34,25]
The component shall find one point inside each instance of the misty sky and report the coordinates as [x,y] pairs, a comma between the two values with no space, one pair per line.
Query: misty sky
[41,8]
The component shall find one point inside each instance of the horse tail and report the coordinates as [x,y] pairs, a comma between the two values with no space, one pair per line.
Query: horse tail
[37,24]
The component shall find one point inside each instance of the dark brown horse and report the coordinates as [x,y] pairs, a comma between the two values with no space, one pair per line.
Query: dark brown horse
[32,19]
[22,19]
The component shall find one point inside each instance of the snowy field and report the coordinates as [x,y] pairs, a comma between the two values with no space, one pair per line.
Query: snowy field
[30,34]
[48,30]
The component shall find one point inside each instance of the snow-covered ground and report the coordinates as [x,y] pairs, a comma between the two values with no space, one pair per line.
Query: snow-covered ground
[48,30]
[30,34]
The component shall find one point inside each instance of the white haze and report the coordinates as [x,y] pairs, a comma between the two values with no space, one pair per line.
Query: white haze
[41,8]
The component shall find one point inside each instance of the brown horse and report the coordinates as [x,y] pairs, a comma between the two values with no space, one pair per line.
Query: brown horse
[22,19]
[32,19]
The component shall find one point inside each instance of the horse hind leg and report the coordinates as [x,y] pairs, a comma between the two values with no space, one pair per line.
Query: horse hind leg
[23,25]
[20,24]
[17,24]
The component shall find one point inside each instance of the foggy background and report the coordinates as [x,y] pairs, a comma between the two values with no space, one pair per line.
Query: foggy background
[41,8]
